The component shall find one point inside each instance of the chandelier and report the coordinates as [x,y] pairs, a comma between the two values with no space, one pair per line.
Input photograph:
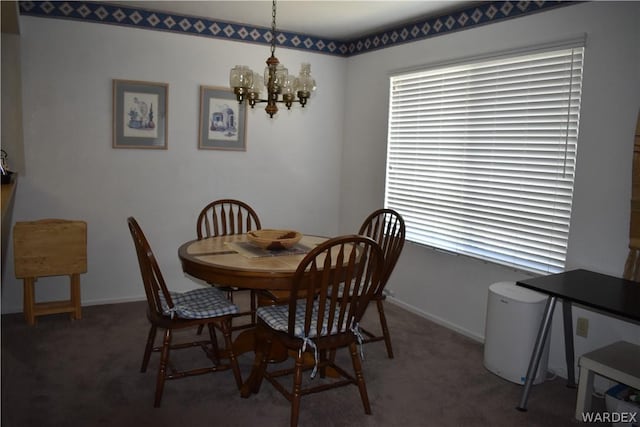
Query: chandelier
[281,86]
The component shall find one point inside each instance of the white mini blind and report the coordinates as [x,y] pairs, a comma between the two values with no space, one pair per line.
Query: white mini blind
[481,156]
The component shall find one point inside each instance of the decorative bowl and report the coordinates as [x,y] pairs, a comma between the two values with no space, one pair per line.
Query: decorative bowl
[274,239]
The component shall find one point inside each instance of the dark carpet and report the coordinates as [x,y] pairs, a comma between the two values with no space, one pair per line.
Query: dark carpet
[86,373]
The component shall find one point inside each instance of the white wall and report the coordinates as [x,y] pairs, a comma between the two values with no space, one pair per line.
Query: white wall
[290,172]
[453,289]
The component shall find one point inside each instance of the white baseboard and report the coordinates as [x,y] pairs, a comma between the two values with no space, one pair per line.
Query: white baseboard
[13,310]
[436,319]
[113,301]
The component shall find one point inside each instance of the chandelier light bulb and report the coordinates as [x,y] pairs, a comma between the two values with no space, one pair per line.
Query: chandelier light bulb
[241,76]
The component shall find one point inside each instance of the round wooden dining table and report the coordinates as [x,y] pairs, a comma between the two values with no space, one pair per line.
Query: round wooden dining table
[234,261]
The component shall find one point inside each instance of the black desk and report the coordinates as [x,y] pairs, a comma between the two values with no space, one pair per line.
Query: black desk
[601,292]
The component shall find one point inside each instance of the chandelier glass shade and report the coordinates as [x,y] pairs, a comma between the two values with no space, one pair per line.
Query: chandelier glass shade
[281,86]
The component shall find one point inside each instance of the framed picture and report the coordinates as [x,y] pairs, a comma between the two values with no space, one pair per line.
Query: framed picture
[223,121]
[140,114]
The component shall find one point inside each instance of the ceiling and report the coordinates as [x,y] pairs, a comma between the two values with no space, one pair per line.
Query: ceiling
[336,19]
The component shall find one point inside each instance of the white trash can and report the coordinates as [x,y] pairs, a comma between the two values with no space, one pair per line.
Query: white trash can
[513,318]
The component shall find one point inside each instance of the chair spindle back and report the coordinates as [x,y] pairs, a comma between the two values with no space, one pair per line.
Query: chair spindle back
[226,217]
[386,226]
[356,262]
[154,284]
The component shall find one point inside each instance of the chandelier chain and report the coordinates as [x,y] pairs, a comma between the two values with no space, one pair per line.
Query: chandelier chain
[273,28]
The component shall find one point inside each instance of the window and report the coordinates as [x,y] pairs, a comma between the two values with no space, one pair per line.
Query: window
[481,156]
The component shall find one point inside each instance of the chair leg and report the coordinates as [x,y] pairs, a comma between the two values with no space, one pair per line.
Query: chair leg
[323,358]
[297,384]
[214,342]
[362,386]
[148,348]
[225,325]
[200,328]
[162,370]
[332,355]
[385,329]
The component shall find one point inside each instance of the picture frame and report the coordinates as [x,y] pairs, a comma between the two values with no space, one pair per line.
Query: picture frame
[223,120]
[140,114]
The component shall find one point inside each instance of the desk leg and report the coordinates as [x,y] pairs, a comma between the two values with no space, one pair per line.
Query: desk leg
[543,331]
[568,342]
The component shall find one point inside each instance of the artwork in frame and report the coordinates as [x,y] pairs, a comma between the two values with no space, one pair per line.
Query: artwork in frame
[140,114]
[223,121]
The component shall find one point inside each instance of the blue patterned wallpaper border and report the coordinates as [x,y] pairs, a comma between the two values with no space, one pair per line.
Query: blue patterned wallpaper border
[107,13]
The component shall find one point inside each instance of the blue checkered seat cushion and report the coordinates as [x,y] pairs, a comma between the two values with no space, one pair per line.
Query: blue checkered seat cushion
[201,303]
[277,317]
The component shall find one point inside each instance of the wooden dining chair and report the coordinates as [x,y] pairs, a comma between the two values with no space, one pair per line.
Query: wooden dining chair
[226,217]
[171,310]
[385,226]
[320,321]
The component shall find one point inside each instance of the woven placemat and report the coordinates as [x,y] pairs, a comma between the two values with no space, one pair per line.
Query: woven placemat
[249,250]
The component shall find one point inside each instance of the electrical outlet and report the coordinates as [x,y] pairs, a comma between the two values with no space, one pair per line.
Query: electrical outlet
[582,328]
